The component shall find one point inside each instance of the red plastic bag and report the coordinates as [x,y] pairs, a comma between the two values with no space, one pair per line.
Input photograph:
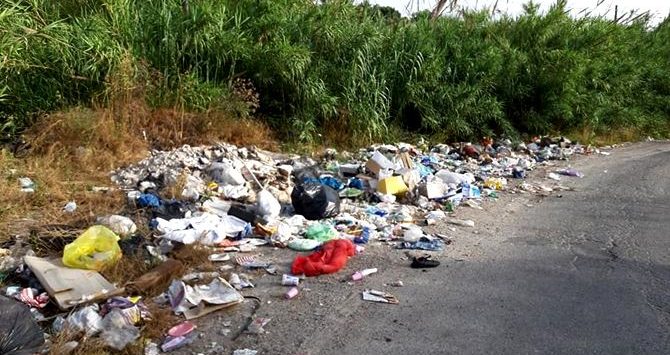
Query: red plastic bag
[331,258]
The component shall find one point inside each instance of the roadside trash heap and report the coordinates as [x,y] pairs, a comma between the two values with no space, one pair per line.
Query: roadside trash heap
[234,200]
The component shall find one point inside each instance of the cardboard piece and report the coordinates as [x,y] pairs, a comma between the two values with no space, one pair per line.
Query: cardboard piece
[433,190]
[406,160]
[70,287]
[378,162]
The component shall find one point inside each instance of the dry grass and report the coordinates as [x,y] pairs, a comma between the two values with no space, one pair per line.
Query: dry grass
[127,269]
[73,151]
[194,256]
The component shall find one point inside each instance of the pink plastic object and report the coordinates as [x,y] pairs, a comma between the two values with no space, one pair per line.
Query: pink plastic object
[291,293]
[181,329]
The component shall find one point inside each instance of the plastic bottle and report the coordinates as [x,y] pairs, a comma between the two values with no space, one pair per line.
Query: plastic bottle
[359,275]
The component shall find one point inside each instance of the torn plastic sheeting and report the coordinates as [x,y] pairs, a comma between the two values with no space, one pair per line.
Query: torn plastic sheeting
[86,320]
[208,229]
[187,299]
[235,192]
[117,331]
[449,177]
[226,173]
[120,225]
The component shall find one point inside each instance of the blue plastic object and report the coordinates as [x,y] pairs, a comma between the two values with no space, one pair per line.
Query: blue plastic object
[148,200]
[364,237]
[326,180]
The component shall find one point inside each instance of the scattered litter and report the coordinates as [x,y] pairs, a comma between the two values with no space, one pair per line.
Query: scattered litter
[379,296]
[289,280]
[18,329]
[245,352]
[173,343]
[70,207]
[95,249]
[121,225]
[27,185]
[181,329]
[197,301]
[332,257]
[70,287]
[570,172]
[423,244]
[359,275]
[462,222]
[219,257]
[554,176]
[257,324]
[292,292]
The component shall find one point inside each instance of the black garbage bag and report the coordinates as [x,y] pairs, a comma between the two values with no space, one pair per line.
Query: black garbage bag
[315,201]
[19,333]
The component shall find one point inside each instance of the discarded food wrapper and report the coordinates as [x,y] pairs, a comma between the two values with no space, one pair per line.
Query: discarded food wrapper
[257,324]
[251,262]
[379,296]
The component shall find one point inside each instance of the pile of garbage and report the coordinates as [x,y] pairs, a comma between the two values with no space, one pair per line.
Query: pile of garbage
[234,200]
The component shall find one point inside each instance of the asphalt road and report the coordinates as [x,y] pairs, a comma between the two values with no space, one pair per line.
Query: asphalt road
[576,272]
[588,272]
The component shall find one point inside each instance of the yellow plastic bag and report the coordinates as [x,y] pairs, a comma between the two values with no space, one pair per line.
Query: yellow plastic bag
[95,249]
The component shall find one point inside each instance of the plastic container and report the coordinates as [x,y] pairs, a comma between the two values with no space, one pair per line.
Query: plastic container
[359,275]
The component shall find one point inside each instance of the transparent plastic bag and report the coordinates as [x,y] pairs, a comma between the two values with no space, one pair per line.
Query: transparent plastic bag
[95,249]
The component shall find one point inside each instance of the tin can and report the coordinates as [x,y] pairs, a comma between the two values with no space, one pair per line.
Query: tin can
[288,280]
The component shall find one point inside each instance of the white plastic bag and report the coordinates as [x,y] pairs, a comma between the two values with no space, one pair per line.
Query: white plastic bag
[121,225]
[267,204]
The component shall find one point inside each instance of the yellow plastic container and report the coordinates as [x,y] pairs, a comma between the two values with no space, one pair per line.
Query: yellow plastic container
[393,185]
[95,249]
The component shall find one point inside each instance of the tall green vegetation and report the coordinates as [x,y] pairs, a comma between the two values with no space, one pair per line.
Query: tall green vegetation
[361,67]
